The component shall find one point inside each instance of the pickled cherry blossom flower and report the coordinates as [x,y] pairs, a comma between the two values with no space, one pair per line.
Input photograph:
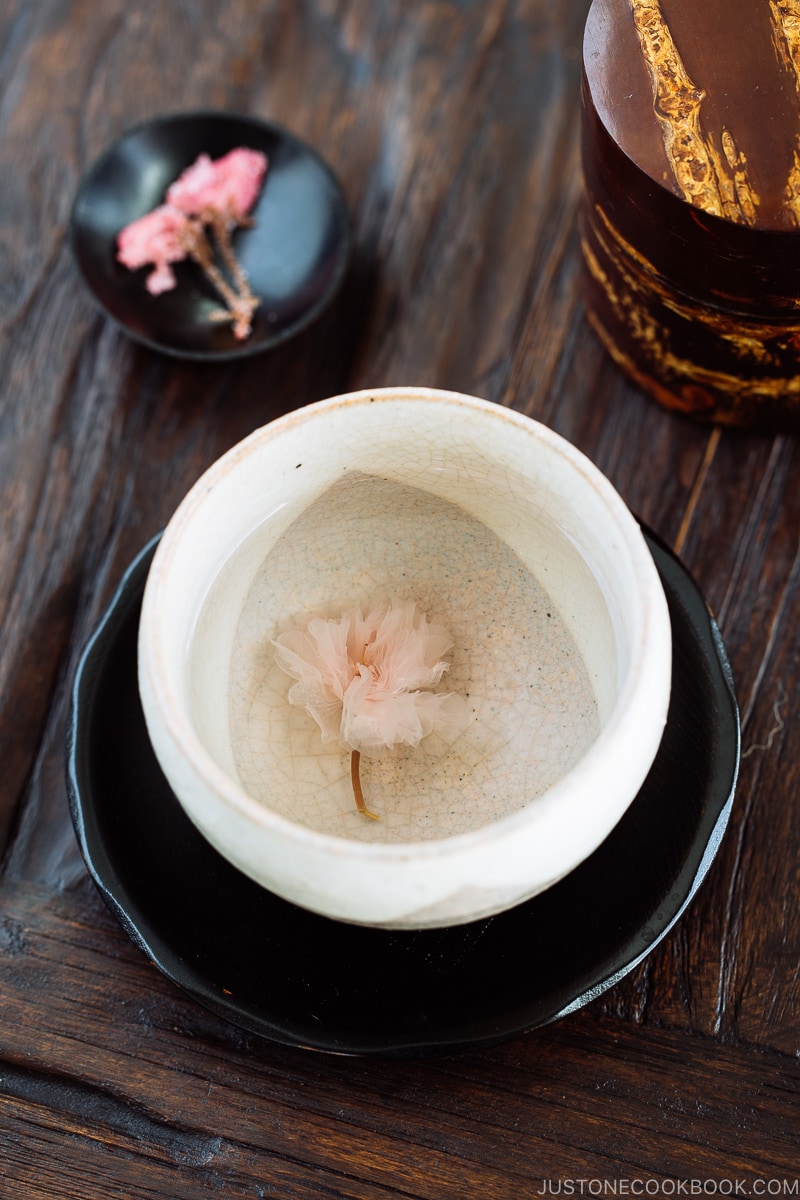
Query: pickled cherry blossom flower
[228,185]
[367,680]
[157,238]
[210,196]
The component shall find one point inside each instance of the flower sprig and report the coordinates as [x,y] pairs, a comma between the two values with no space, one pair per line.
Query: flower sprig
[203,208]
[367,680]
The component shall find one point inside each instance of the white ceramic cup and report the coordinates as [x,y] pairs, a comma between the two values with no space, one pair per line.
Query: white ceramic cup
[495,526]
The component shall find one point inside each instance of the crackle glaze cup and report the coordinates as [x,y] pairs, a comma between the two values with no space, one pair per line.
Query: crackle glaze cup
[495,527]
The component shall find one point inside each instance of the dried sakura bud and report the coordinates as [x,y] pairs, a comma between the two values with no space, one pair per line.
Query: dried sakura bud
[204,207]
[228,185]
[157,238]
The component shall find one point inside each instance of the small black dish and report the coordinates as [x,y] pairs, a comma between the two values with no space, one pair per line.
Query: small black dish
[296,254]
[301,979]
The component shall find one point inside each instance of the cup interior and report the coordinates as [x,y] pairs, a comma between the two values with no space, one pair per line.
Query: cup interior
[491,524]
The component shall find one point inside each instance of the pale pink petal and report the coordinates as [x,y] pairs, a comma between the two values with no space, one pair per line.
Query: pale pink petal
[317,658]
[445,713]
[317,702]
[362,679]
[371,726]
[227,184]
[407,651]
[373,720]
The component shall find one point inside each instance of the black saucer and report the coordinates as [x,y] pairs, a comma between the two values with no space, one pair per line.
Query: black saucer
[301,979]
[296,254]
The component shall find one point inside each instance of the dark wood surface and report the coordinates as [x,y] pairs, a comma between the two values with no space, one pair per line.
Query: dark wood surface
[454,127]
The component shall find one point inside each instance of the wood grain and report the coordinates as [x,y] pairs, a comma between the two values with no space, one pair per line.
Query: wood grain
[454,127]
[592,1093]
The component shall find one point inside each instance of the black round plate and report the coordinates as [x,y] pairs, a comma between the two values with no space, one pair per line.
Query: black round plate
[296,254]
[304,980]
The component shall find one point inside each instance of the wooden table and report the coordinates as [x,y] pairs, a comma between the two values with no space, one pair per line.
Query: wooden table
[454,128]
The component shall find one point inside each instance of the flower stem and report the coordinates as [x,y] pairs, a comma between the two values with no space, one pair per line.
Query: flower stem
[355,777]
[241,304]
[222,226]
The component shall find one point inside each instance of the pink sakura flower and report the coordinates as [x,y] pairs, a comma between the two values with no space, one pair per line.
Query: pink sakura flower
[158,238]
[210,195]
[366,680]
[227,185]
